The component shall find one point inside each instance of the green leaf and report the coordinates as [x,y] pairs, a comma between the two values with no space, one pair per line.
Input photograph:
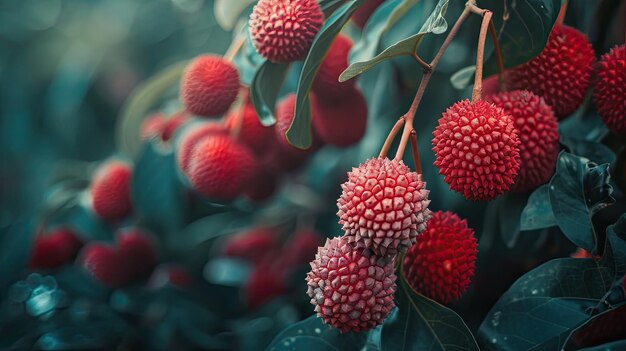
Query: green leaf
[463,77]
[248,61]
[510,210]
[209,228]
[313,334]
[264,90]
[592,150]
[538,212]
[16,240]
[228,11]
[602,328]
[299,133]
[435,24]
[579,189]
[616,247]
[423,324]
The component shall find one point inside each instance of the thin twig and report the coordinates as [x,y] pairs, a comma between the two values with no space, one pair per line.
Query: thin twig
[561,18]
[234,47]
[477,92]
[417,160]
[424,64]
[392,135]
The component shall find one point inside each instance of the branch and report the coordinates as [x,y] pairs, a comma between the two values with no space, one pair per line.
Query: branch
[392,135]
[477,92]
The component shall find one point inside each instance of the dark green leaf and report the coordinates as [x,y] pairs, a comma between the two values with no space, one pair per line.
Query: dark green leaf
[463,77]
[264,90]
[598,189]
[299,133]
[209,228]
[538,212]
[612,346]
[510,210]
[248,61]
[602,328]
[328,6]
[16,242]
[592,150]
[616,253]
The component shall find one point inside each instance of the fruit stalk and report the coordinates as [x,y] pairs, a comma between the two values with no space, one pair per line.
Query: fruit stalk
[417,162]
[477,92]
[236,130]
[392,135]
[234,47]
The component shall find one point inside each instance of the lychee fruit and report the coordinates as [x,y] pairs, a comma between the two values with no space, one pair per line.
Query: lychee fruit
[209,86]
[252,133]
[284,116]
[190,139]
[106,264]
[172,125]
[282,30]
[55,248]
[140,249]
[537,129]
[263,285]
[340,123]
[441,264]
[560,73]
[152,126]
[171,274]
[110,191]
[609,93]
[363,13]
[263,186]
[326,84]
[221,168]
[383,206]
[351,288]
[301,248]
[477,149]
[253,245]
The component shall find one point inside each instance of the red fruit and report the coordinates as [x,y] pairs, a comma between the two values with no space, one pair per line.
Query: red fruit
[341,123]
[279,159]
[537,129]
[284,116]
[170,274]
[326,84]
[560,73]
[106,264]
[491,85]
[351,289]
[283,30]
[152,126]
[263,285]
[221,168]
[140,250]
[191,138]
[383,206]
[262,187]
[252,133]
[477,149]
[364,12]
[110,191]
[441,263]
[209,85]
[301,248]
[610,89]
[172,125]
[582,253]
[253,245]
[54,249]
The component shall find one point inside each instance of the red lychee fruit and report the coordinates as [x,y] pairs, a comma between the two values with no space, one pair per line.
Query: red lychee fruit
[253,245]
[560,73]
[139,248]
[284,116]
[221,168]
[264,284]
[364,12]
[301,248]
[537,129]
[610,89]
[152,126]
[106,264]
[110,191]
[477,149]
[54,249]
[191,138]
[351,288]
[326,84]
[491,85]
[171,274]
[441,264]
[340,123]
[252,133]
[263,186]
[383,206]
[172,125]
[209,86]
[283,30]
[283,159]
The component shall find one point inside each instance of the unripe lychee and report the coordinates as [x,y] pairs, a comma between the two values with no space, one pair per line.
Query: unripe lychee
[383,206]
[340,123]
[477,149]
[140,249]
[284,116]
[326,84]
[54,249]
[252,133]
[560,73]
[191,138]
[351,288]
[537,129]
[264,284]
[253,245]
[441,263]
[283,30]
[221,168]
[609,93]
[364,12]
[209,86]
[106,264]
[110,191]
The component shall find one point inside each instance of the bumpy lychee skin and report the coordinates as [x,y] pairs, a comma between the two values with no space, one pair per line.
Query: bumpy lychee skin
[110,191]
[340,123]
[106,264]
[351,289]
[220,168]
[477,149]
[283,30]
[610,89]
[560,73]
[55,248]
[383,206]
[252,133]
[326,84]
[537,130]
[441,264]
[191,138]
[209,86]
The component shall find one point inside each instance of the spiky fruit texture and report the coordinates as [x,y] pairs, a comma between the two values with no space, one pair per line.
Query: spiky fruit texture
[340,123]
[263,285]
[220,167]
[110,191]
[538,132]
[560,73]
[106,264]
[209,86]
[252,133]
[364,12]
[477,149]
[351,289]
[55,248]
[326,84]
[610,89]
[283,30]
[139,248]
[284,116]
[441,264]
[383,206]
[253,245]
[191,138]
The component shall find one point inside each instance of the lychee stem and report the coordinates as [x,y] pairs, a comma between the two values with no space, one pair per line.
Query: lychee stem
[477,92]
[417,162]
[240,114]
[392,135]
[234,47]
[561,18]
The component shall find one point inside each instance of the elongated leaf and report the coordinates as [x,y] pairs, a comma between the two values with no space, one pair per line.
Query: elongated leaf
[616,243]
[592,150]
[228,11]
[435,24]
[299,133]
[463,77]
[209,228]
[264,90]
[538,212]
